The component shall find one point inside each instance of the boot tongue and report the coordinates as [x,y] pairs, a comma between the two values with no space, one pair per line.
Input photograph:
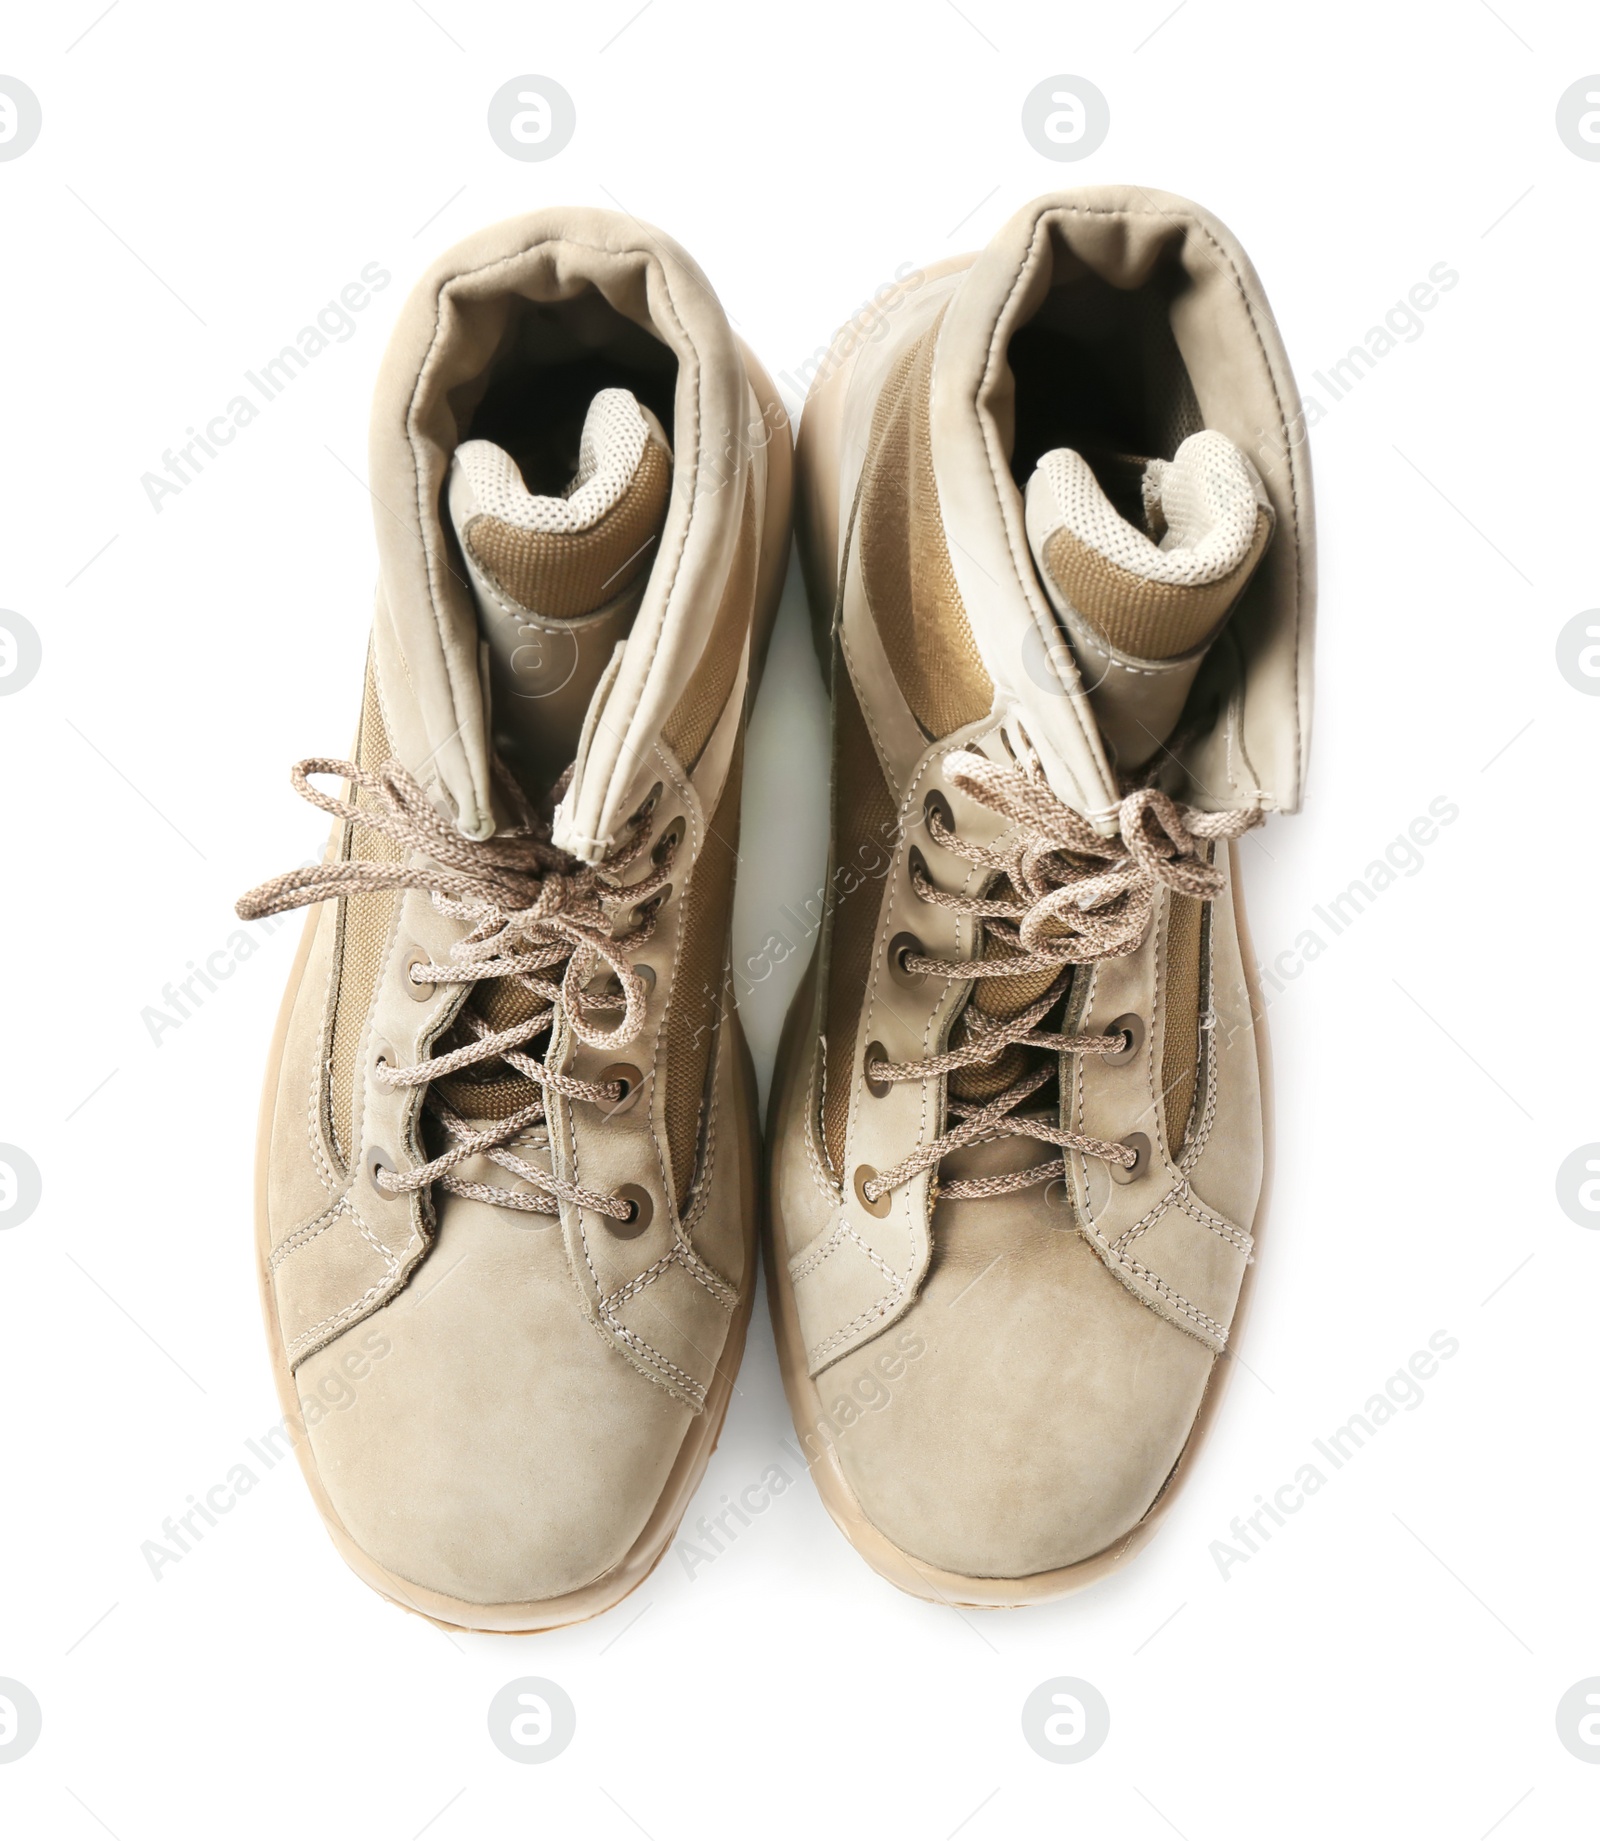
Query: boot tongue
[1143,561]
[558,579]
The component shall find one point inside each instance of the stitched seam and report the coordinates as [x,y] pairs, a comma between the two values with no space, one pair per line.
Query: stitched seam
[699,1268]
[1236,1237]
[319,1160]
[1174,1297]
[1124,663]
[303,1236]
[358,1308]
[1158,1029]
[871,1314]
[653,1358]
[1169,1293]
[640,1281]
[697,836]
[322,1070]
[1202,1133]
[818,1254]
[829,1186]
[1147,1220]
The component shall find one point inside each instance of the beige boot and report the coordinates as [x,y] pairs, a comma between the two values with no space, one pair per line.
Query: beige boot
[1057,531]
[507,1176]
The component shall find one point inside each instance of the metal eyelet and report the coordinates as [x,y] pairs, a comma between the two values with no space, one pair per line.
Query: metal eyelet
[420,992]
[917,865]
[643,1208]
[936,802]
[899,947]
[1139,1144]
[1131,1027]
[863,1176]
[879,1089]
[669,839]
[629,1079]
[380,1160]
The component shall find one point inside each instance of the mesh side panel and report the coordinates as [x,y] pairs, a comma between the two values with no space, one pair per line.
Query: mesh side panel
[688,728]
[863,824]
[905,560]
[562,574]
[1180,1052]
[690,1029]
[364,924]
[1146,619]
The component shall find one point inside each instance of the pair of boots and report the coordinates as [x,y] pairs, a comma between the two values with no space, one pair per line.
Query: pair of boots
[1055,520]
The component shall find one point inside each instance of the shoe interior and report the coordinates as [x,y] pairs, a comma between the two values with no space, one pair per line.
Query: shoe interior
[552,361]
[1098,370]
[557,591]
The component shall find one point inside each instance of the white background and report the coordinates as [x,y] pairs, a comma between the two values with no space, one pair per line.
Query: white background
[207,178]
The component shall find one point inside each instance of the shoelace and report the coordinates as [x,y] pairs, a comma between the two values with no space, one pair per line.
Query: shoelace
[1075,897]
[534,913]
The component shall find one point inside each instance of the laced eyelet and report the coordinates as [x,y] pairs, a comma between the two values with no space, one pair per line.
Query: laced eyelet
[607,983]
[866,1174]
[380,1160]
[414,988]
[879,1089]
[1139,1144]
[669,840]
[936,802]
[899,947]
[646,910]
[1131,1028]
[643,1208]
[917,867]
[631,1081]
